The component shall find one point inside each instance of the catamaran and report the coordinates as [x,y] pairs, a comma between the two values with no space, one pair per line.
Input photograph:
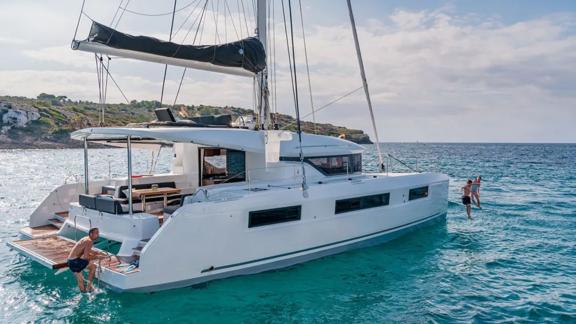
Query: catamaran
[236,201]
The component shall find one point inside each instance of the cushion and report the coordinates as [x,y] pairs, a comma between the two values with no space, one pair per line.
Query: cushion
[108,204]
[88,201]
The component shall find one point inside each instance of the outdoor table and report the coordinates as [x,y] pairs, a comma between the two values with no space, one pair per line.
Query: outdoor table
[154,192]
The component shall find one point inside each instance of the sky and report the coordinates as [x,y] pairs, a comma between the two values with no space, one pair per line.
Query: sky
[438,70]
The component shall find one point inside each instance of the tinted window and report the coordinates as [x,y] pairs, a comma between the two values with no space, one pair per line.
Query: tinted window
[418,193]
[357,203]
[274,216]
[222,165]
[341,164]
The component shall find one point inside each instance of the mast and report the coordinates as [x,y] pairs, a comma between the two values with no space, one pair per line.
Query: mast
[365,83]
[262,77]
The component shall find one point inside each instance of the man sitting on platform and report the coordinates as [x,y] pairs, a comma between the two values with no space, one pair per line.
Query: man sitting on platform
[80,258]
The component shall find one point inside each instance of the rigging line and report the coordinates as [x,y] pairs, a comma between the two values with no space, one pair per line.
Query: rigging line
[202,31]
[199,20]
[231,18]
[86,15]
[216,16]
[225,24]
[102,91]
[288,49]
[117,22]
[106,89]
[166,65]
[239,17]
[365,83]
[116,13]
[274,61]
[255,101]
[98,75]
[121,15]
[307,67]
[245,20]
[328,104]
[79,17]
[254,10]
[116,84]
[187,17]
[157,14]
[304,185]
[268,51]
[193,42]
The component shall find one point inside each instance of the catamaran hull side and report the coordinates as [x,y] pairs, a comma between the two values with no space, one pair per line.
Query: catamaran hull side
[200,245]
[275,263]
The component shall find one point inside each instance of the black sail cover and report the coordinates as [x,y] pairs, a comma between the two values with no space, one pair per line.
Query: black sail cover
[247,53]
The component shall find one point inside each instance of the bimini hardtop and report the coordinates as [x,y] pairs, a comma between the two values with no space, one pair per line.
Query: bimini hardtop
[239,139]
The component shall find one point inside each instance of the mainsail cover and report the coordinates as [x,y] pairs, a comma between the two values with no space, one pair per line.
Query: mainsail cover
[247,54]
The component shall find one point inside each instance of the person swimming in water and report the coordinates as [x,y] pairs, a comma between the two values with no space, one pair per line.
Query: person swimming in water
[466,200]
[475,191]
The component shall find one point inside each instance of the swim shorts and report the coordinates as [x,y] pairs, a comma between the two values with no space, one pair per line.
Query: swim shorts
[77,265]
[466,200]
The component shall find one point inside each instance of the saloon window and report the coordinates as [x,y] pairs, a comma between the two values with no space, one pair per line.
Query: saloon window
[364,202]
[274,216]
[222,165]
[417,193]
[340,164]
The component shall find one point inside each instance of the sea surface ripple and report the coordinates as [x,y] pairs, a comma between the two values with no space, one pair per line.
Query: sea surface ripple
[514,262]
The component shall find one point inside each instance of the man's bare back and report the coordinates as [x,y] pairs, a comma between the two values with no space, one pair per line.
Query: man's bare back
[82,249]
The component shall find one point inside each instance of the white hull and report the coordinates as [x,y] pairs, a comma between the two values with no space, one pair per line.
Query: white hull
[296,258]
[262,222]
[199,244]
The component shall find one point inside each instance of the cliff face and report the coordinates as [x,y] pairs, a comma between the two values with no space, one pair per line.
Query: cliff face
[46,122]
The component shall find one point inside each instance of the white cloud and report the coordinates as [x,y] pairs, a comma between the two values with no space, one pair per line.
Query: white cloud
[11,40]
[62,55]
[433,75]
[435,78]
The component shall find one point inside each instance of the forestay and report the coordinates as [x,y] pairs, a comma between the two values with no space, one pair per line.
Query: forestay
[245,57]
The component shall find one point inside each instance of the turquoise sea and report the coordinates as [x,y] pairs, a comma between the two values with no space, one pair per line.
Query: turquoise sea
[514,262]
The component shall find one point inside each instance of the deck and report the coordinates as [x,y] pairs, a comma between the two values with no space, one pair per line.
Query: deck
[39,231]
[50,229]
[53,251]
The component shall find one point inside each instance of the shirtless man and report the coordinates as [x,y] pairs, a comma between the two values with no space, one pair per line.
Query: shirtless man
[80,258]
[466,200]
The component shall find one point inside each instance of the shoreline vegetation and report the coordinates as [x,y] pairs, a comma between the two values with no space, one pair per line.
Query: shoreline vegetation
[45,122]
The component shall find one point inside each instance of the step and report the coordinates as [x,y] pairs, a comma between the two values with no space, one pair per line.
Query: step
[61,216]
[39,231]
[137,250]
[143,243]
[56,222]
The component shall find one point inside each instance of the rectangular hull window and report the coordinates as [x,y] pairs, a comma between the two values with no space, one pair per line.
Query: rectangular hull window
[358,203]
[274,216]
[417,193]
